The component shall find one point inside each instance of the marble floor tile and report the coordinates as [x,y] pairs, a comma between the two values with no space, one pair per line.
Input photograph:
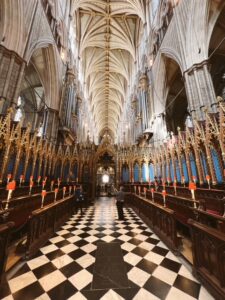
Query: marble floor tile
[67,266]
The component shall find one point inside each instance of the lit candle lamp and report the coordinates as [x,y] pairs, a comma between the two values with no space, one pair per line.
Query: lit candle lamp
[52,185]
[192,188]
[208,180]
[31,185]
[21,179]
[39,179]
[145,191]
[59,181]
[164,197]
[194,179]
[168,181]
[152,191]
[139,190]
[43,184]
[9,176]
[11,186]
[64,191]
[43,194]
[56,192]
[175,187]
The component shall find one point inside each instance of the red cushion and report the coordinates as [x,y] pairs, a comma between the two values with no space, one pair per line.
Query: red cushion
[214,212]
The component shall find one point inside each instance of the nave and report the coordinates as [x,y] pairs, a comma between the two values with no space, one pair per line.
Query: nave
[95,256]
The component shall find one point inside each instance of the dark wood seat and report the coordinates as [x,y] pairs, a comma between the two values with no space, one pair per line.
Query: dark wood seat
[5,232]
[44,222]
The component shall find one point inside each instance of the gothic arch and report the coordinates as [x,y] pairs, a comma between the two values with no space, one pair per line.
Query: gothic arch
[173,54]
[176,103]
[45,61]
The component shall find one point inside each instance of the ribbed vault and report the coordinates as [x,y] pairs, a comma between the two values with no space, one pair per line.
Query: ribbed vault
[107,33]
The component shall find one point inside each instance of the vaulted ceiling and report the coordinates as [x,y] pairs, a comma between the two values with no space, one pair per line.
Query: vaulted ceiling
[107,35]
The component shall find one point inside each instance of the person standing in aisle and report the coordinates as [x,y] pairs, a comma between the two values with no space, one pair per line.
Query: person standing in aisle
[120,195]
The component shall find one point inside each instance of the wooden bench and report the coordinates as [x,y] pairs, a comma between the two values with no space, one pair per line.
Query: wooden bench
[159,218]
[5,232]
[20,208]
[19,191]
[44,222]
[209,257]
[185,208]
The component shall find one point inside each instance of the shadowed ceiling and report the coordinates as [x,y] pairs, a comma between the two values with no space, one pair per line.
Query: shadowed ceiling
[107,34]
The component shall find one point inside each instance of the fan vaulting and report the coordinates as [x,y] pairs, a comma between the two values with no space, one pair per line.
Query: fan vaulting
[107,34]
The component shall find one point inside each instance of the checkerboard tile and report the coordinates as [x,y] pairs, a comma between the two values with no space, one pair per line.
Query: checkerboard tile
[63,268]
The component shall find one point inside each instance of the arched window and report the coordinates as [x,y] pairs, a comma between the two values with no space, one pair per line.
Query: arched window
[19,110]
[171,170]
[177,170]
[204,165]
[125,173]
[40,130]
[151,172]
[145,172]
[217,167]
[185,170]
[136,172]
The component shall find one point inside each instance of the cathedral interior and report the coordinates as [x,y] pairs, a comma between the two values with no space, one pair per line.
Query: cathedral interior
[112,149]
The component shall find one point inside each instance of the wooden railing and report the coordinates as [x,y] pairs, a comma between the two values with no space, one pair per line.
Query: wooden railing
[20,191]
[5,231]
[185,208]
[159,218]
[20,208]
[44,222]
[213,198]
[209,257]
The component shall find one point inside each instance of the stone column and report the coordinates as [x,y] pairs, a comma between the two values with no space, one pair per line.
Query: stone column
[200,89]
[12,71]
[67,98]
[143,84]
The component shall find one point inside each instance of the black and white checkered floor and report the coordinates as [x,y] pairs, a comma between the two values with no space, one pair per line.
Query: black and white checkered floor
[64,267]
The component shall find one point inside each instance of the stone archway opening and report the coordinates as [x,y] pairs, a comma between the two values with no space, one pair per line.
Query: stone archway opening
[176,110]
[217,55]
[31,104]
[105,175]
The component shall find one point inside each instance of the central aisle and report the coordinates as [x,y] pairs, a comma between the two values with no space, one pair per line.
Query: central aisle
[94,256]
